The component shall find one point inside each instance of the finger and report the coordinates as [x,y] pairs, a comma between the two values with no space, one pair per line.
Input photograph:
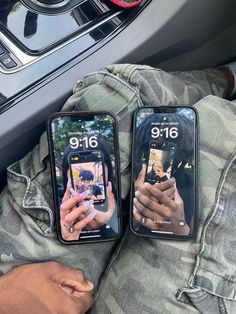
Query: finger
[141,176]
[154,213]
[163,205]
[148,223]
[70,236]
[166,184]
[92,225]
[170,192]
[86,213]
[64,214]
[70,277]
[110,200]
[109,188]
[83,223]
[136,214]
[84,301]
[67,289]
[163,185]
[67,192]
[178,199]
[177,196]
[72,201]
[152,192]
[82,216]
[75,214]
[109,185]
[69,284]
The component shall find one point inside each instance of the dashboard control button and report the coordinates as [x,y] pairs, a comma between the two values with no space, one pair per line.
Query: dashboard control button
[7,61]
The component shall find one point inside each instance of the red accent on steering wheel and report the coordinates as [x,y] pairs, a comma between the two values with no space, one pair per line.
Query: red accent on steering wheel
[126,5]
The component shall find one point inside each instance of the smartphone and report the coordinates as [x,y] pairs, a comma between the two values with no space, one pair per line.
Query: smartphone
[87,173]
[84,158]
[159,162]
[164,172]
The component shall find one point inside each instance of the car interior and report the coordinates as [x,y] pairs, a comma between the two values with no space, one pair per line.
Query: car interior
[47,46]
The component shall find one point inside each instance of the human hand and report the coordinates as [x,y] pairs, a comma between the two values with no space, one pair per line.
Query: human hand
[77,184]
[102,217]
[159,206]
[160,173]
[48,288]
[71,209]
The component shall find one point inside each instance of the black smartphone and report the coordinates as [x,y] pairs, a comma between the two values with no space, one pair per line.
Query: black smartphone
[85,172]
[164,172]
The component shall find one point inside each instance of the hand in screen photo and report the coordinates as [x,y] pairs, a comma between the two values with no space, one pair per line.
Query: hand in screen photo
[156,173]
[79,214]
[164,173]
[102,217]
[88,202]
[71,210]
[85,176]
[86,179]
[159,206]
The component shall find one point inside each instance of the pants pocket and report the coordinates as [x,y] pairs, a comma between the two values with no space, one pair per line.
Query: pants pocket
[213,282]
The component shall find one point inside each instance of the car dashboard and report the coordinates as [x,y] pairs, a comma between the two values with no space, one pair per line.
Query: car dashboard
[46,48]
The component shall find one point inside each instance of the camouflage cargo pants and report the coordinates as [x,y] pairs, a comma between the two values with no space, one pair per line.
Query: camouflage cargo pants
[141,275]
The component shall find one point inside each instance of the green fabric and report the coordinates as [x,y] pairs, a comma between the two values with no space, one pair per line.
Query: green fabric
[141,275]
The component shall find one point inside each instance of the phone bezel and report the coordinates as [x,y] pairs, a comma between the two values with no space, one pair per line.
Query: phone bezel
[83,115]
[192,235]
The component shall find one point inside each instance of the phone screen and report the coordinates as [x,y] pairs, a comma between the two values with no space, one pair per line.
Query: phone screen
[164,172]
[85,175]
[159,162]
[87,171]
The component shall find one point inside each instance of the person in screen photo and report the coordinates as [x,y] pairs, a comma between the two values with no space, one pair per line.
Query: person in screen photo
[157,174]
[87,178]
[86,181]
[78,210]
[167,206]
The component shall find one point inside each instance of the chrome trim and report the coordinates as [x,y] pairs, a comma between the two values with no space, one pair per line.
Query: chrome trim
[20,55]
[50,12]
[27,60]
[53,6]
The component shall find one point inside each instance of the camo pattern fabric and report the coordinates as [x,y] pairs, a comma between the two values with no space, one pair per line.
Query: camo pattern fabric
[26,209]
[150,276]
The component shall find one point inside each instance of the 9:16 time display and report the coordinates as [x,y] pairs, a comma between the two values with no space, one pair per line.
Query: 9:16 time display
[86,142]
[166,132]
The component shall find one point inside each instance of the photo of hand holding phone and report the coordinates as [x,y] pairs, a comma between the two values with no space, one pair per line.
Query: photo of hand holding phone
[85,168]
[159,163]
[163,198]
[86,179]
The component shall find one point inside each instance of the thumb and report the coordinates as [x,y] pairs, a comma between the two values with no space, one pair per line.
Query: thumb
[69,284]
[141,176]
[67,191]
[178,198]
[70,277]
[110,196]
